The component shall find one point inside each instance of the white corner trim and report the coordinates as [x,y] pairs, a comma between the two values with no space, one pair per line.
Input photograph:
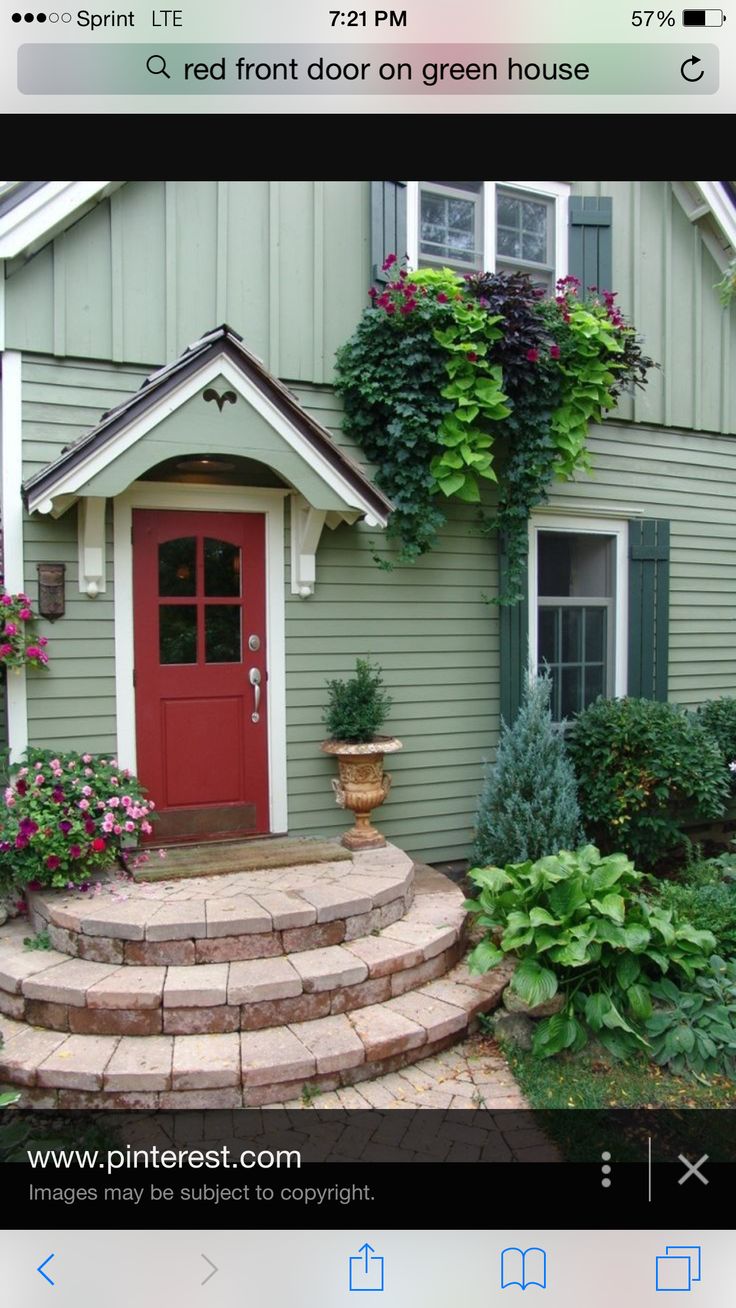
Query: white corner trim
[91,543]
[306,529]
[11,436]
[42,215]
[2,305]
[98,459]
[597,527]
[224,499]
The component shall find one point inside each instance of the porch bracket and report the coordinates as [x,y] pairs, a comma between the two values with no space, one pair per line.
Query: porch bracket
[91,529]
[306,529]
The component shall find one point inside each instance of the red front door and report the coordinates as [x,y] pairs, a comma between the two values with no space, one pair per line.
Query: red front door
[200,645]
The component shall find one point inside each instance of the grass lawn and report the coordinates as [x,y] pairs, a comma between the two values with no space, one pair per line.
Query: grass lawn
[587,1083]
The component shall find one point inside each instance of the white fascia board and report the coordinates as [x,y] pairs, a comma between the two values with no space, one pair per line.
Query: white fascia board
[73,482]
[45,213]
[722,211]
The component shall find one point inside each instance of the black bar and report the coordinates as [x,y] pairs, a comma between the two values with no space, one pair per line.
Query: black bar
[693,18]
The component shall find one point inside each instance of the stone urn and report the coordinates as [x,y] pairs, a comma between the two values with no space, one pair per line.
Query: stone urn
[362,785]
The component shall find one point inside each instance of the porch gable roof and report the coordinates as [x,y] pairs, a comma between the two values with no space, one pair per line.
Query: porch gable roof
[65,478]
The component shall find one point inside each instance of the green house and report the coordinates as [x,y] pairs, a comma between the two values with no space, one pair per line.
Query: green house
[171,436]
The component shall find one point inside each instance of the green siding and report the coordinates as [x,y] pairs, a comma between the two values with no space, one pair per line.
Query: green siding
[288,264]
[665,277]
[436,638]
[150,269]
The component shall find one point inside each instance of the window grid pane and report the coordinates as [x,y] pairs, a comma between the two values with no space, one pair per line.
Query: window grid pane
[449,228]
[567,631]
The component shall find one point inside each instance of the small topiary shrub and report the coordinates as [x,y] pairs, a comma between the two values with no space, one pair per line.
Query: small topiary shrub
[357,709]
[644,769]
[529,806]
[718,717]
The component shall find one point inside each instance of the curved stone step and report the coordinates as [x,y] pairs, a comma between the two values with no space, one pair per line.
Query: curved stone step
[234,917]
[248,1069]
[51,990]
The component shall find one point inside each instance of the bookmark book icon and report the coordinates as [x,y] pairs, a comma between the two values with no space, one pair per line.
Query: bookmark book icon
[523,1267]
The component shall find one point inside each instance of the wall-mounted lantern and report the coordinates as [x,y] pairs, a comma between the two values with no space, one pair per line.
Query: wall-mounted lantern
[51,590]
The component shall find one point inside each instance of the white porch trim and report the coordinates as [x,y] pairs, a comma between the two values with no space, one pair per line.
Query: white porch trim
[221,499]
[12,517]
[36,220]
[220,366]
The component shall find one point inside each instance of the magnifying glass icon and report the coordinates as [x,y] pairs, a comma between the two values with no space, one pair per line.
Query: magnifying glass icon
[152,64]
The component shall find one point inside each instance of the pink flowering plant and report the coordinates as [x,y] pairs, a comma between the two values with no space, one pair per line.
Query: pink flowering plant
[480,388]
[19,646]
[67,816]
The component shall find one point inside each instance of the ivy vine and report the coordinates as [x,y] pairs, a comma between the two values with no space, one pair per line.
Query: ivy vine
[449,383]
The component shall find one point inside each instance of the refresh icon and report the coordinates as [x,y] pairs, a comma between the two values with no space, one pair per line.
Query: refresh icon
[687,69]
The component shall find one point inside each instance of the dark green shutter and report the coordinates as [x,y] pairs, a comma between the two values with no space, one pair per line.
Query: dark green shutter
[514,652]
[388,225]
[649,577]
[590,254]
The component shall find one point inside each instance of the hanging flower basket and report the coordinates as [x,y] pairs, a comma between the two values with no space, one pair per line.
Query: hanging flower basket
[452,384]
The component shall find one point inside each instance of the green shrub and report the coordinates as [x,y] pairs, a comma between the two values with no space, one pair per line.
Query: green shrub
[694,1031]
[529,805]
[718,717]
[706,896]
[644,770]
[579,923]
[358,708]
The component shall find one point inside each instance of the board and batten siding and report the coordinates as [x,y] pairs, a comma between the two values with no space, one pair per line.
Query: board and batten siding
[665,277]
[287,265]
[158,264]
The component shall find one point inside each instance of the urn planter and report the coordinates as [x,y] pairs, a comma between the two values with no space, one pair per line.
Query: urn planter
[362,785]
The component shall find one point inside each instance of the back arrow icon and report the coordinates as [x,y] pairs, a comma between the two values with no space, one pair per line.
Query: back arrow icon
[692,60]
[45,1264]
[209,1275]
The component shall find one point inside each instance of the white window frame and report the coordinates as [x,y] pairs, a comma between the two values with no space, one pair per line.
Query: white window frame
[557,191]
[619,530]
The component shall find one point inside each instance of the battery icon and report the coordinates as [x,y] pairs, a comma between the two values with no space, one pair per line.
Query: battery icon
[703,18]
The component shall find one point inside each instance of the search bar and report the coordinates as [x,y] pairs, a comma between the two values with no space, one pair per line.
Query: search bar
[279,69]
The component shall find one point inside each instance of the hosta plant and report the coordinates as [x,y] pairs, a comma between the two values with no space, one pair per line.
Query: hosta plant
[578,923]
[694,1030]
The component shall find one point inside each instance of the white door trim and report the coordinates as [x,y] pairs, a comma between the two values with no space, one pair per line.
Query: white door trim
[221,499]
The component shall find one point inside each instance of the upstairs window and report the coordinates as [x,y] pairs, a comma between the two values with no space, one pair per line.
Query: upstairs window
[490,227]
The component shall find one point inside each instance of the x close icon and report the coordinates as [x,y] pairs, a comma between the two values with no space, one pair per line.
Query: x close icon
[692,1169]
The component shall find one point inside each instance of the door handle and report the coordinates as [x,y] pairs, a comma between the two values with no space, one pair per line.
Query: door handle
[254,677]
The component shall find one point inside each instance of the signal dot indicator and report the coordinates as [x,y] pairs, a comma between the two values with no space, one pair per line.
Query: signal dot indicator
[17,18]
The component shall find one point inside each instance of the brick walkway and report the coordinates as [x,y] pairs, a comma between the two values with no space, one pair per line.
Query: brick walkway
[473,1074]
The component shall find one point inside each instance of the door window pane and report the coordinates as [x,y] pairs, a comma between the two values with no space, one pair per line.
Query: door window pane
[177,633]
[222,633]
[221,568]
[177,567]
